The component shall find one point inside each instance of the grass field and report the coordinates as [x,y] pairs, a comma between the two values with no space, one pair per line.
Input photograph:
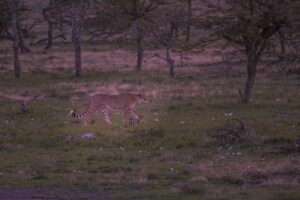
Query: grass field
[197,141]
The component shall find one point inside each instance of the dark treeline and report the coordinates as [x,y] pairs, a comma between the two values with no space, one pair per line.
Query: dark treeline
[253,28]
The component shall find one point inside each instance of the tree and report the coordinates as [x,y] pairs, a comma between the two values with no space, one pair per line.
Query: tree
[188,26]
[4,17]
[46,12]
[12,5]
[166,23]
[133,15]
[189,15]
[286,54]
[78,11]
[138,11]
[54,15]
[5,20]
[248,24]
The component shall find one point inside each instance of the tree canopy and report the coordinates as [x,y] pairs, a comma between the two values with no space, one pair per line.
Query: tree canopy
[4,17]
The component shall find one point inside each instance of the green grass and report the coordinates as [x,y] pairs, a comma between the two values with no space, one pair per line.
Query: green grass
[172,155]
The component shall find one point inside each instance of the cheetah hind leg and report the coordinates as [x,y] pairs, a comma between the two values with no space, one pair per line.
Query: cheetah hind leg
[128,117]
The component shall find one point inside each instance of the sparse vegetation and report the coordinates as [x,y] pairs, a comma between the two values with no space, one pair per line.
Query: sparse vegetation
[197,141]
[173,154]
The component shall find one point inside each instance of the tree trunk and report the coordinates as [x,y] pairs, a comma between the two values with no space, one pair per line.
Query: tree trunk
[21,43]
[251,70]
[139,49]
[50,38]
[77,46]
[282,44]
[188,25]
[15,37]
[170,62]
[181,58]
[77,9]
[171,68]
[50,26]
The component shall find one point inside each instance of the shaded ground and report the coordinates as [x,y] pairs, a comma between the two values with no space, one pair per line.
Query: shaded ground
[47,193]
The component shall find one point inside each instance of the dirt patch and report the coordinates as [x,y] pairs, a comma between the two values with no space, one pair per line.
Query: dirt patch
[16,97]
[121,60]
[47,193]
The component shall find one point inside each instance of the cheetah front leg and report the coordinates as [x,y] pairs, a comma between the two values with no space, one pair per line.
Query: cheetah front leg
[105,115]
[131,116]
[134,118]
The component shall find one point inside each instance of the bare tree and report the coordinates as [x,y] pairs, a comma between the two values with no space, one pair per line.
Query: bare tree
[130,16]
[166,22]
[139,13]
[54,15]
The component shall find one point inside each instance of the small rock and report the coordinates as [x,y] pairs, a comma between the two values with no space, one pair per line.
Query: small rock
[228,114]
[21,172]
[88,136]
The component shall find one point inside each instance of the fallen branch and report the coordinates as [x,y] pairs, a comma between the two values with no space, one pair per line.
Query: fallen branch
[46,39]
[156,55]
